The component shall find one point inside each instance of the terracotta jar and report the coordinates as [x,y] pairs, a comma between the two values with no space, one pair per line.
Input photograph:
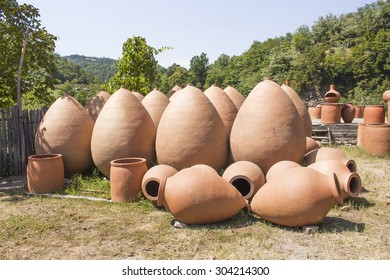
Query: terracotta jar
[330,113]
[386,96]
[311,144]
[301,108]
[174,89]
[66,129]
[315,112]
[361,134]
[45,173]
[388,112]
[123,129]
[302,196]
[153,178]
[200,196]
[359,110]
[235,96]
[279,168]
[377,139]
[374,114]
[332,96]
[224,106]
[96,104]
[274,132]
[139,96]
[348,112]
[326,153]
[126,177]
[246,177]
[191,132]
[350,182]
[155,103]
[174,93]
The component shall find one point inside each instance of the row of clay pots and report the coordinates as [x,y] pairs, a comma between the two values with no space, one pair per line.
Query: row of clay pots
[315,112]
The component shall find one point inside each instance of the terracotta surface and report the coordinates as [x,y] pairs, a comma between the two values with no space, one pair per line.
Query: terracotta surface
[386,96]
[377,139]
[348,112]
[330,113]
[235,96]
[314,113]
[155,103]
[311,144]
[153,178]
[66,129]
[332,96]
[174,93]
[279,168]
[174,89]
[123,129]
[96,104]
[45,173]
[139,96]
[274,132]
[374,114]
[359,110]
[361,134]
[126,177]
[327,153]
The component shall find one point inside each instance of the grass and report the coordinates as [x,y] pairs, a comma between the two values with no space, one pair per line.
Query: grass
[38,227]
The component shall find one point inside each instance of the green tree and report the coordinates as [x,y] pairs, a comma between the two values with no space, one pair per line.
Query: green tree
[217,72]
[198,70]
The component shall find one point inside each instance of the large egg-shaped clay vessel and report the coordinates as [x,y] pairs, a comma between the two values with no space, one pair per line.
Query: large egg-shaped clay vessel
[153,178]
[95,105]
[139,96]
[235,96]
[224,106]
[348,112]
[200,196]
[267,128]
[191,132]
[155,103]
[301,108]
[302,196]
[278,168]
[326,153]
[123,129]
[377,139]
[66,129]
[374,114]
[386,96]
[332,96]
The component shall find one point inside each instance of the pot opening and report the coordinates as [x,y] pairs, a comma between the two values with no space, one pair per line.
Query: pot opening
[152,187]
[45,156]
[330,94]
[242,185]
[351,164]
[127,161]
[355,185]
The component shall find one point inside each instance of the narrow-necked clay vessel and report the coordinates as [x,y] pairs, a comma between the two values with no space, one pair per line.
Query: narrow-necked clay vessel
[96,104]
[235,96]
[315,112]
[359,110]
[311,144]
[191,132]
[386,96]
[330,113]
[123,129]
[350,182]
[153,178]
[302,196]
[377,139]
[267,128]
[139,96]
[348,112]
[301,108]
[361,134]
[374,114]
[200,196]
[155,103]
[246,177]
[278,168]
[327,153]
[332,96]
[66,129]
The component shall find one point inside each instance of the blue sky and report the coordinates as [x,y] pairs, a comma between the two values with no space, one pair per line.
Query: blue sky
[190,27]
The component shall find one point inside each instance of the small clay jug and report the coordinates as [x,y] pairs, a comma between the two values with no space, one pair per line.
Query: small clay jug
[153,178]
[332,96]
[330,113]
[126,178]
[311,144]
[155,103]
[235,96]
[348,112]
[45,173]
[315,113]
[361,134]
[386,96]
[95,105]
[377,139]
[278,169]
[374,114]
[359,110]
[327,153]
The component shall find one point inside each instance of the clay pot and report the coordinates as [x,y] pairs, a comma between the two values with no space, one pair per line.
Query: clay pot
[45,173]
[123,129]
[359,110]
[388,112]
[332,96]
[374,114]
[96,104]
[302,196]
[301,108]
[315,113]
[126,177]
[66,129]
[311,144]
[274,132]
[246,177]
[174,89]
[174,92]
[330,113]
[153,178]
[279,168]
[377,139]
[191,132]
[326,153]
[386,96]
[155,103]
[235,96]
[200,196]
[139,96]
[224,106]
[350,182]
[348,112]
[361,134]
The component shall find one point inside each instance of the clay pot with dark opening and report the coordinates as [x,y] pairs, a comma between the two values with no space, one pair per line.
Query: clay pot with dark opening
[332,96]
[153,178]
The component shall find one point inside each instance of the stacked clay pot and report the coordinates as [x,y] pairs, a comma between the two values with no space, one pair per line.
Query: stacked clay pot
[377,139]
[374,114]
[315,112]
[235,96]
[155,103]
[330,113]
[123,129]
[348,112]
[66,129]
[95,105]
[332,96]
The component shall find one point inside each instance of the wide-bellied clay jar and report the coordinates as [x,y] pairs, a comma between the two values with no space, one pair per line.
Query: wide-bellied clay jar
[126,177]
[361,134]
[348,112]
[45,173]
[139,96]
[326,153]
[350,182]
[332,96]
[66,129]
[224,106]
[246,177]
[200,196]
[311,144]
[315,112]
[267,128]
[302,196]
[374,114]
[278,168]
[359,110]
[301,108]
[153,178]
[155,103]
[386,96]
[235,96]
[377,139]
[123,129]
[330,113]
[95,105]
[191,132]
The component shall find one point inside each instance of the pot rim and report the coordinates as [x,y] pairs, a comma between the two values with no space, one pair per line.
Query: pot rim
[249,181]
[127,161]
[42,157]
[378,124]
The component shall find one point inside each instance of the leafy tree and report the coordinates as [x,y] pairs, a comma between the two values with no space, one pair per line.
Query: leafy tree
[198,70]
[216,73]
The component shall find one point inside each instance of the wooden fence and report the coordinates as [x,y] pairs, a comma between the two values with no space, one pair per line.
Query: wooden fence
[13,153]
